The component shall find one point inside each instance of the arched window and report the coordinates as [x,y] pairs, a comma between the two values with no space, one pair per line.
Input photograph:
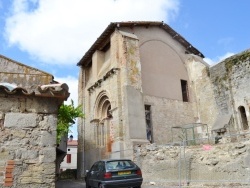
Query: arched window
[243,116]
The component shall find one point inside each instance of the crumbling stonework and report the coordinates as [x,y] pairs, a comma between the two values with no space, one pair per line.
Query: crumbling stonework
[231,80]
[196,166]
[28,137]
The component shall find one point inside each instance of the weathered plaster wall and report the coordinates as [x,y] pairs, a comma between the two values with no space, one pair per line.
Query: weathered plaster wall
[28,139]
[162,63]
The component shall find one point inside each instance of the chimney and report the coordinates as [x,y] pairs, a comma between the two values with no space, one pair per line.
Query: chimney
[71,138]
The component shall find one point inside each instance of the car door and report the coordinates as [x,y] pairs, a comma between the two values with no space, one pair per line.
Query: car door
[92,174]
[98,173]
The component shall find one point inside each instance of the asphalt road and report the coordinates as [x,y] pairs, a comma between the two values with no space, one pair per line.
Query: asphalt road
[70,184]
[81,184]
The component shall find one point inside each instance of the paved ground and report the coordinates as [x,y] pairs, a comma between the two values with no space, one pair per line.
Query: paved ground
[81,184]
[70,184]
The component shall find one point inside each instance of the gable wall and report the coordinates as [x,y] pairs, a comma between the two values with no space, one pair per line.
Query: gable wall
[162,62]
[22,75]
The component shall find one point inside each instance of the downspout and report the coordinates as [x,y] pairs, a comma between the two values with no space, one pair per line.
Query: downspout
[84,109]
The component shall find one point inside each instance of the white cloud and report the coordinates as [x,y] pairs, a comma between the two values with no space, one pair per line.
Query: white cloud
[73,88]
[228,54]
[213,61]
[209,61]
[61,31]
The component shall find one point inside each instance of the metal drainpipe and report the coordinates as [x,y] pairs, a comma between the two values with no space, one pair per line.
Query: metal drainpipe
[180,166]
[84,107]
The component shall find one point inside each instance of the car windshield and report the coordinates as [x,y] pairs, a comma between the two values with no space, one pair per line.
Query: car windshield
[116,165]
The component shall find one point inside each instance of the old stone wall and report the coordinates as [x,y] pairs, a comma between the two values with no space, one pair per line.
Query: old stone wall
[231,81]
[167,113]
[117,79]
[202,164]
[27,141]
[205,107]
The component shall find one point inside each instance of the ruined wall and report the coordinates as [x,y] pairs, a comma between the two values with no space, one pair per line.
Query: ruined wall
[205,107]
[231,80]
[198,166]
[27,141]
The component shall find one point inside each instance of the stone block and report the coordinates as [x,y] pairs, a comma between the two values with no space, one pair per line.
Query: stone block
[13,120]
[47,138]
[49,123]
[30,154]
[47,155]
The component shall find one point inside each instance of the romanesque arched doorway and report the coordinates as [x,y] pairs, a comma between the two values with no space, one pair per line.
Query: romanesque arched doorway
[103,127]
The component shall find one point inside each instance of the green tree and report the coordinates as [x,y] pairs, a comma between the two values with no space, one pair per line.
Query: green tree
[67,115]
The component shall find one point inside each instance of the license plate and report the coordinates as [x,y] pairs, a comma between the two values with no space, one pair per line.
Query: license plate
[124,173]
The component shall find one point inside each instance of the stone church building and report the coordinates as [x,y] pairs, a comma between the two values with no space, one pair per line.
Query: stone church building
[141,81]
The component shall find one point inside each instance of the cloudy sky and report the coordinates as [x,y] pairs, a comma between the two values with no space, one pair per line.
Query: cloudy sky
[53,35]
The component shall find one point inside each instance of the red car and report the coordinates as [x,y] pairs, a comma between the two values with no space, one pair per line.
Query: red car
[120,173]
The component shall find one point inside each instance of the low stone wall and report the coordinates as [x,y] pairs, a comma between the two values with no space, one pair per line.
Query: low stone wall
[28,142]
[222,164]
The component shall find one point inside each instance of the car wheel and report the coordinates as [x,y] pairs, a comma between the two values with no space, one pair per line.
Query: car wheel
[87,185]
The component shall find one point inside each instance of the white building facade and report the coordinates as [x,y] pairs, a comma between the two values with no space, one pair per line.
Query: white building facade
[70,160]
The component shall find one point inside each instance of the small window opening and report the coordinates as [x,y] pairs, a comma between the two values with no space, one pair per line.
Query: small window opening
[1,124]
[184,90]
[68,158]
[243,118]
[149,130]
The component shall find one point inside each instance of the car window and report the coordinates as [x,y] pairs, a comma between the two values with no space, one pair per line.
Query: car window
[94,167]
[119,165]
[100,166]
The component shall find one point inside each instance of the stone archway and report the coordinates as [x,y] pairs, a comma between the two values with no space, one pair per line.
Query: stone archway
[104,128]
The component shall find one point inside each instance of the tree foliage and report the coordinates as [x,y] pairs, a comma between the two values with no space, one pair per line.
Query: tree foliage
[67,115]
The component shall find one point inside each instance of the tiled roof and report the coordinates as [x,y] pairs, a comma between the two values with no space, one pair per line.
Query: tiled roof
[72,142]
[58,90]
[104,37]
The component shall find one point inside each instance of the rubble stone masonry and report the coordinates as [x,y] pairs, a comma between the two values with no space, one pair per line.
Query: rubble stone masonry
[27,141]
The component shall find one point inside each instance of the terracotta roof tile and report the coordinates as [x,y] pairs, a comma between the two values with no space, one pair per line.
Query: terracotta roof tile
[72,142]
